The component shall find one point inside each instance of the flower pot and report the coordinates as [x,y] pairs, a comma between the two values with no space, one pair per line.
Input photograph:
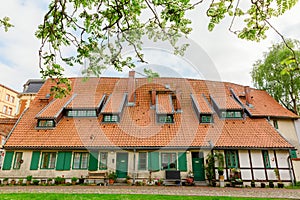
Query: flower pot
[262,185]
[280,185]
[28,182]
[13,182]
[73,182]
[111,181]
[271,184]
[253,184]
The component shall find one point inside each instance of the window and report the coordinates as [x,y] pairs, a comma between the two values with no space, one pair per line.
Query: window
[231,114]
[142,161]
[266,158]
[48,160]
[231,158]
[80,160]
[165,119]
[168,161]
[4,109]
[275,124]
[7,97]
[45,123]
[103,160]
[18,160]
[12,99]
[110,118]
[9,111]
[206,119]
[81,113]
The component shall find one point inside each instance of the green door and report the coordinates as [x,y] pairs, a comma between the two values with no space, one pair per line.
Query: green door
[122,165]
[198,168]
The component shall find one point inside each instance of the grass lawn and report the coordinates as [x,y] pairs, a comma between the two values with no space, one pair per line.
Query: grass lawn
[46,196]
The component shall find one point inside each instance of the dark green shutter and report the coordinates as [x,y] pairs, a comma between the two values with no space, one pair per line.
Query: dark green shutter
[293,153]
[64,160]
[60,161]
[182,163]
[8,160]
[67,162]
[93,161]
[153,161]
[35,160]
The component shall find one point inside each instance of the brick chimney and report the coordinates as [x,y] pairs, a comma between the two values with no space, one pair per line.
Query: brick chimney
[248,96]
[131,88]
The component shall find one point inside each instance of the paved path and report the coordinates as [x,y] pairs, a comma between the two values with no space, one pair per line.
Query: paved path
[198,191]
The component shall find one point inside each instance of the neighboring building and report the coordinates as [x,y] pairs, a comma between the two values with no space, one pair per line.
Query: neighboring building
[30,89]
[139,127]
[8,102]
[6,125]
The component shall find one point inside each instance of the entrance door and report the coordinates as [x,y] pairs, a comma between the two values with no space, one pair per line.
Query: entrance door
[198,166]
[122,165]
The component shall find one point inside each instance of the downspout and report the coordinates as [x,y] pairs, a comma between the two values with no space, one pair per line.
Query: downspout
[133,181]
[290,170]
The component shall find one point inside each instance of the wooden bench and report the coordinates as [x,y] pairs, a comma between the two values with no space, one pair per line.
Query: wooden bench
[97,177]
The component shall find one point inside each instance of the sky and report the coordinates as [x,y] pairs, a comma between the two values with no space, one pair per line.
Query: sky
[217,55]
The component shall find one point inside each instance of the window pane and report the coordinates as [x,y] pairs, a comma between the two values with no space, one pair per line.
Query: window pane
[84,160]
[91,113]
[114,118]
[45,160]
[142,161]
[52,160]
[72,113]
[103,160]
[81,113]
[18,158]
[238,114]
[76,161]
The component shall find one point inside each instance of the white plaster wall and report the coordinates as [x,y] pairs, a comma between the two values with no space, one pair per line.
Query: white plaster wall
[272,159]
[259,174]
[282,158]
[296,166]
[257,158]
[271,174]
[287,129]
[246,174]
[244,158]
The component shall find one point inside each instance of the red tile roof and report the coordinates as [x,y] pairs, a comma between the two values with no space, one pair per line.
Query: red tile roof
[164,104]
[203,104]
[138,127]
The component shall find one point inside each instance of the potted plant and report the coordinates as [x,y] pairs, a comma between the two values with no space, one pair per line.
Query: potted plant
[112,177]
[210,171]
[277,174]
[253,184]
[74,180]
[5,181]
[220,158]
[58,180]
[49,181]
[262,185]
[271,184]
[13,182]
[128,180]
[28,180]
[20,181]
[35,182]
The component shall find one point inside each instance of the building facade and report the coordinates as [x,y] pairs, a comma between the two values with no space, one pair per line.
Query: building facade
[8,102]
[141,128]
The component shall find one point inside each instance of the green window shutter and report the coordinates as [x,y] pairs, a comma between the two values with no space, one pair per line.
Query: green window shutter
[293,153]
[153,161]
[35,158]
[60,160]
[67,161]
[8,160]
[182,162]
[64,160]
[93,161]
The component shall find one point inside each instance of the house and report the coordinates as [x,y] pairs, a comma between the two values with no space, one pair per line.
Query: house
[8,102]
[140,128]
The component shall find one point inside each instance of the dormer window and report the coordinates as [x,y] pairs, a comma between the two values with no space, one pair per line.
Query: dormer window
[206,119]
[231,114]
[165,119]
[81,113]
[111,118]
[46,123]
